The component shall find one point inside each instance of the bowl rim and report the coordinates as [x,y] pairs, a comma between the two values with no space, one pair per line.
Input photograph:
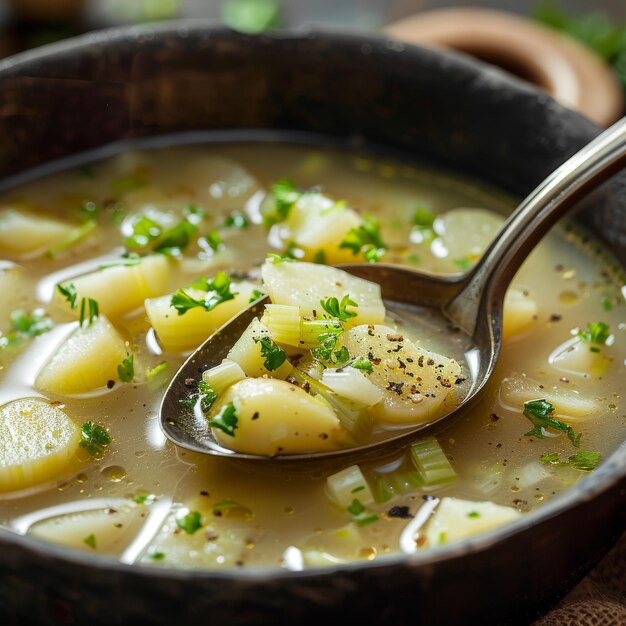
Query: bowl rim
[610,473]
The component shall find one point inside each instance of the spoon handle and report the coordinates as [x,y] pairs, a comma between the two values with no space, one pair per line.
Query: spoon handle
[485,287]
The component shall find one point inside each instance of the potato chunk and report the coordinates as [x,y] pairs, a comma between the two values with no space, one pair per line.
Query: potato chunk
[520,311]
[86,361]
[275,417]
[179,333]
[415,382]
[37,443]
[24,234]
[457,519]
[305,284]
[123,288]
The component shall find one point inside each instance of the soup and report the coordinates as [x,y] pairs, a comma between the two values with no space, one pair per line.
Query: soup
[97,259]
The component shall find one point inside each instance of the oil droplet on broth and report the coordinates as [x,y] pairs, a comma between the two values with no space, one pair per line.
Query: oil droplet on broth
[114,473]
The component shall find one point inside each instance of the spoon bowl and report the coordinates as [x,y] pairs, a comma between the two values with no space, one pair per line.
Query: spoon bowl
[466,309]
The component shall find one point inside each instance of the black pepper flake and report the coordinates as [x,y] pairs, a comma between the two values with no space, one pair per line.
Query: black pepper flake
[370,330]
[211,536]
[306,387]
[204,493]
[375,361]
[110,511]
[555,317]
[409,359]
[446,383]
[110,384]
[428,497]
[190,382]
[401,364]
[323,435]
[395,387]
[430,362]
[420,361]
[399,511]
[459,380]
[498,445]
[494,418]
[118,525]
[255,415]
[397,348]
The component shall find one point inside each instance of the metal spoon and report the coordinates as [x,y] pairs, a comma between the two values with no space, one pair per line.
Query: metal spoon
[471,302]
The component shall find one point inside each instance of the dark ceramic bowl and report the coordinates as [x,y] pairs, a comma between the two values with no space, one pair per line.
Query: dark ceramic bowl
[149,81]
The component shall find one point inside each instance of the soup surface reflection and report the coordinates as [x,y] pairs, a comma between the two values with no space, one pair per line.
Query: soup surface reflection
[90,339]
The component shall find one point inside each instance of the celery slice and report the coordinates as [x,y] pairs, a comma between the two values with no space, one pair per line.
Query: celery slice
[283,322]
[432,464]
[224,375]
[348,484]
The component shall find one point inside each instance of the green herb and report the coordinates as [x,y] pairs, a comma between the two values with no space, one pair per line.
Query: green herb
[217,291]
[73,237]
[473,514]
[193,214]
[538,412]
[327,342]
[88,311]
[88,211]
[339,310]
[583,460]
[207,396]
[214,240]
[442,538]
[25,325]
[463,263]
[320,257]
[277,258]
[95,439]
[360,515]
[152,372]
[90,540]
[85,171]
[606,304]
[365,365]
[251,16]
[284,196]
[422,218]
[597,333]
[145,231]
[293,252]
[255,295]
[144,498]
[357,489]
[365,239]
[273,354]
[174,240]
[156,555]
[126,369]
[69,293]
[596,29]
[236,220]
[189,521]
[226,420]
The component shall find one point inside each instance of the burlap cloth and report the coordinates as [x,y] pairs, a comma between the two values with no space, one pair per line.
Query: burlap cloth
[599,600]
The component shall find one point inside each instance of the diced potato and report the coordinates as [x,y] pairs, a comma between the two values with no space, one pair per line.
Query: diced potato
[415,382]
[347,485]
[11,286]
[316,224]
[569,404]
[179,333]
[343,543]
[465,233]
[37,443]
[352,384]
[122,288]
[520,311]
[457,519]
[275,417]
[105,531]
[247,353]
[305,284]
[85,362]
[24,234]
[580,358]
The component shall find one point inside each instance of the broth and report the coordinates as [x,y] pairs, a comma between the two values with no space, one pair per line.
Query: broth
[137,501]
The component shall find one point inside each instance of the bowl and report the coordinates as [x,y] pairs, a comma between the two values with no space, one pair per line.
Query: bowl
[194,80]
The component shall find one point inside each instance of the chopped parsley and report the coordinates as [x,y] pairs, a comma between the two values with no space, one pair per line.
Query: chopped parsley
[277,258]
[217,291]
[255,295]
[156,555]
[236,220]
[596,333]
[339,310]
[204,393]
[189,521]
[25,325]
[90,540]
[126,369]
[88,311]
[273,354]
[174,240]
[365,365]
[538,412]
[583,460]
[320,257]
[69,293]
[422,218]
[226,420]
[365,239]
[360,515]
[473,514]
[325,351]
[284,195]
[95,439]
[214,240]
[464,263]
[145,231]
[128,259]
[144,498]
[149,236]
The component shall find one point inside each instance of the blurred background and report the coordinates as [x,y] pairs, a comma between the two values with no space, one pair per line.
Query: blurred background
[599,26]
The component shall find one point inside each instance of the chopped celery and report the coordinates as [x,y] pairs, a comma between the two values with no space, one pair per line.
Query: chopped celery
[352,384]
[400,482]
[310,331]
[431,463]
[283,321]
[223,375]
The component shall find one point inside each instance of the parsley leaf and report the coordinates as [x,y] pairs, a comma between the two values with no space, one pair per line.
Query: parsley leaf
[189,521]
[339,310]
[126,369]
[538,412]
[226,420]
[217,291]
[25,325]
[89,311]
[214,240]
[95,439]
[174,240]
[284,195]
[277,258]
[90,540]
[255,295]
[273,354]
[365,365]
[583,460]
[145,231]
[236,220]
[365,239]
[360,515]
[422,218]
[597,332]
[69,293]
